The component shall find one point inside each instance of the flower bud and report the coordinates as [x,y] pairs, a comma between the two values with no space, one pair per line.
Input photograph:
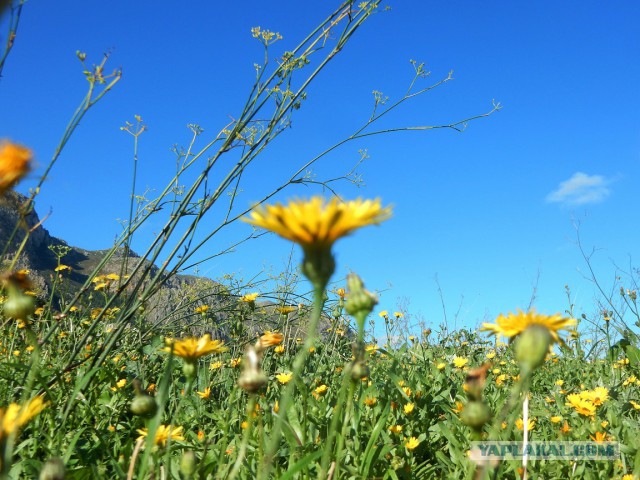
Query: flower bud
[188,464]
[475,414]
[19,306]
[189,369]
[359,301]
[532,347]
[252,377]
[142,404]
[359,370]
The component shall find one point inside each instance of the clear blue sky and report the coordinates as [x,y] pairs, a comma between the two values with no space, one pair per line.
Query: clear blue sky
[487,211]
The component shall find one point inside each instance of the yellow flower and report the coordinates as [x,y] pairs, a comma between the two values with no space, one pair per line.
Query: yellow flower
[341,292]
[236,362]
[460,362]
[314,224]
[530,424]
[61,268]
[215,365]
[597,396]
[193,348]
[163,434]
[565,428]
[441,366]
[407,391]
[398,314]
[201,436]
[491,355]
[370,401]
[15,163]
[201,309]
[408,408]
[249,297]
[599,437]
[279,349]
[276,407]
[559,383]
[206,394]
[604,424]
[284,378]
[395,429]
[500,379]
[556,419]
[630,380]
[269,339]
[321,390]
[285,309]
[635,405]
[383,314]
[514,324]
[581,405]
[15,416]
[412,443]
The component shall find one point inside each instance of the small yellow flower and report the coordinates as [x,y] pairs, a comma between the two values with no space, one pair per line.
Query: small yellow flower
[193,348]
[320,390]
[163,434]
[276,407]
[15,163]
[370,401]
[635,405]
[441,366]
[407,391]
[397,429]
[62,268]
[269,339]
[111,428]
[398,314]
[205,394]
[249,297]
[341,292]
[581,405]
[383,314]
[412,443]
[215,365]
[491,355]
[284,378]
[201,436]
[530,424]
[559,383]
[556,419]
[279,349]
[460,362]
[565,428]
[604,424]
[30,348]
[235,362]
[408,408]
[599,437]
[201,309]
[285,309]
[500,379]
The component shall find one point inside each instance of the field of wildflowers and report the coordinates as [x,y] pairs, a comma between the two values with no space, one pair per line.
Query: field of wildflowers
[89,388]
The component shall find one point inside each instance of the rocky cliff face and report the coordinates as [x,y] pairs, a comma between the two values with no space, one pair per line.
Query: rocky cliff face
[40,254]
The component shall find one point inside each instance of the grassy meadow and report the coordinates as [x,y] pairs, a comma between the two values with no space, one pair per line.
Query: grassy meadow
[244,381]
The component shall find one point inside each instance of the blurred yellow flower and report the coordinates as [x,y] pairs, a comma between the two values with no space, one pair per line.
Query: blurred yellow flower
[514,324]
[320,390]
[395,429]
[284,378]
[215,365]
[460,362]
[193,348]
[201,309]
[15,416]
[163,434]
[581,405]
[370,401]
[635,405]
[249,297]
[286,309]
[530,424]
[408,408]
[205,394]
[597,396]
[15,163]
[61,268]
[398,314]
[269,339]
[412,443]
[441,366]
[314,224]
[383,314]
[556,419]
[279,349]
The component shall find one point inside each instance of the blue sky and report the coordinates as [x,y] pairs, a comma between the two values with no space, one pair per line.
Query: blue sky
[490,212]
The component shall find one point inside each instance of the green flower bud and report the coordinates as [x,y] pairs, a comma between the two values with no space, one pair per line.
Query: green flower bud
[188,464]
[189,369]
[359,370]
[359,301]
[475,414]
[142,404]
[19,306]
[532,347]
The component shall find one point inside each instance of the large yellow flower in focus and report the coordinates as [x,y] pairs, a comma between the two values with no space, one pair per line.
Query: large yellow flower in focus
[16,416]
[193,348]
[516,323]
[315,224]
[15,163]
